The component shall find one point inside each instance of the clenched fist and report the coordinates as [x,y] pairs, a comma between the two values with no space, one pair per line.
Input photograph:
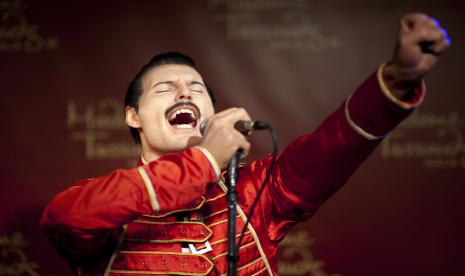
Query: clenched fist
[420,42]
[221,139]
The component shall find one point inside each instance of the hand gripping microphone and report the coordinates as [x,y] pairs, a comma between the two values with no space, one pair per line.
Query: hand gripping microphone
[243,127]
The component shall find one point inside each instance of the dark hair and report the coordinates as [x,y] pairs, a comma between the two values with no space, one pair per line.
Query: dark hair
[135,88]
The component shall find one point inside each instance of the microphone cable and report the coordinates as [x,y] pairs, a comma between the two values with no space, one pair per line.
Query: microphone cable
[274,155]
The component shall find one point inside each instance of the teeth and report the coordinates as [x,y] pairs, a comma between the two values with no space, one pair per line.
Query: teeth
[183,126]
[183,110]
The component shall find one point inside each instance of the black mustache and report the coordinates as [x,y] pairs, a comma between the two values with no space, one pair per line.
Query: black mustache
[181,104]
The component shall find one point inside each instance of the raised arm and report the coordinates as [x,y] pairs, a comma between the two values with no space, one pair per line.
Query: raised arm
[315,166]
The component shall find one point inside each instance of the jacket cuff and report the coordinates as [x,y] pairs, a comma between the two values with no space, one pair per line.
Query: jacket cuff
[373,111]
[416,100]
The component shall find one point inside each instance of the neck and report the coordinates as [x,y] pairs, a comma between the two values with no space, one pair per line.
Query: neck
[148,156]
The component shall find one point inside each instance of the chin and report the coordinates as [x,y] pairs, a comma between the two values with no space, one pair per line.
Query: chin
[174,142]
[185,142]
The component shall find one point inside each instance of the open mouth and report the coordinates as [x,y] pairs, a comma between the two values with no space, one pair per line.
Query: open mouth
[183,115]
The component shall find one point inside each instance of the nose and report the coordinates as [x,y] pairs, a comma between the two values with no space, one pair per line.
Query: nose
[183,92]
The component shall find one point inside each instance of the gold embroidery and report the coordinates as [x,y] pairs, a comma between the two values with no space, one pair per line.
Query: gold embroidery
[177,211]
[388,93]
[260,271]
[169,241]
[220,255]
[215,213]
[219,222]
[249,264]
[225,239]
[216,197]
[157,272]
[242,247]
[211,159]
[244,266]
[164,272]
[173,240]
[168,222]
[150,189]
[115,251]
[162,253]
[356,127]
[251,229]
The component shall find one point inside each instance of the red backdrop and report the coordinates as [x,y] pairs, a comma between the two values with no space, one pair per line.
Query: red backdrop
[65,66]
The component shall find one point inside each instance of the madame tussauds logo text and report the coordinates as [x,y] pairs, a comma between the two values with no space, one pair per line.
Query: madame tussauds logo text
[296,257]
[437,140]
[278,24]
[17,34]
[13,259]
[100,125]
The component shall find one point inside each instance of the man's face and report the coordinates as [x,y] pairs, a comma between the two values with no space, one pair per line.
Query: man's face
[174,102]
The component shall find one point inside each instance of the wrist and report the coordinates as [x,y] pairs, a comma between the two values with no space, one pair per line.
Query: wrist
[404,98]
[402,83]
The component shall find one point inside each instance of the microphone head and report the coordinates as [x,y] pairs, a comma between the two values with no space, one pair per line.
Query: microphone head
[202,127]
[242,126]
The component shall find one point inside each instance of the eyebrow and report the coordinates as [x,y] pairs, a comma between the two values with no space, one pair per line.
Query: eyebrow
[197,82]
[171,82]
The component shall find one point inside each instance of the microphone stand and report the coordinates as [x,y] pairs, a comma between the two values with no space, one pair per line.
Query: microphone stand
[233,253]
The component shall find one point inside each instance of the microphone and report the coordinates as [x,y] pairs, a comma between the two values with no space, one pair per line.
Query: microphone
[243,127]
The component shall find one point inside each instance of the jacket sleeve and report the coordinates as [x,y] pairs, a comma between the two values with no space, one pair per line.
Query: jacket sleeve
[315,166]
[83,217]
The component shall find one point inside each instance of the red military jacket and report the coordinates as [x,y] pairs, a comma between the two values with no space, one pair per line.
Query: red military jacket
[170,216]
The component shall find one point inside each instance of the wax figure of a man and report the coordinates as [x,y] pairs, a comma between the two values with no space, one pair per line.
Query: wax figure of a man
[168,214]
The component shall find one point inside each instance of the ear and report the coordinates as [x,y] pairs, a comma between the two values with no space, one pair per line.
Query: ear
[132,119]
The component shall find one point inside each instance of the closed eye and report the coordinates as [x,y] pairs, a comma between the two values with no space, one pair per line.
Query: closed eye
[199,88]
[164,88]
